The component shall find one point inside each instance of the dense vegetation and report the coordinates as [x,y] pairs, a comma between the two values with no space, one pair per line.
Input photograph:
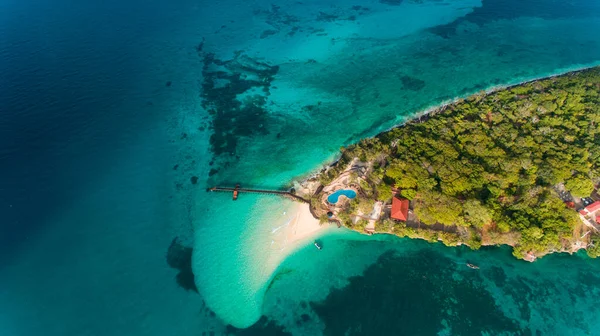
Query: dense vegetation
[488,164]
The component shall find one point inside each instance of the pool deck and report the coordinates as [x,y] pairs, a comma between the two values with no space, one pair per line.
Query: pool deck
[342,181]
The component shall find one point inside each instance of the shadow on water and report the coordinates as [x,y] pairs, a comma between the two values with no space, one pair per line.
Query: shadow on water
[180,258]
[264,327]
[493,10]
[428,289]
[416,294]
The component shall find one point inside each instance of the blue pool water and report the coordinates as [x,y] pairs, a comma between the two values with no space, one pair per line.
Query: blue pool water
[333,198]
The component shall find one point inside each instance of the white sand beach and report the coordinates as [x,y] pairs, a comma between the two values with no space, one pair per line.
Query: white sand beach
[298,231]
[304,226]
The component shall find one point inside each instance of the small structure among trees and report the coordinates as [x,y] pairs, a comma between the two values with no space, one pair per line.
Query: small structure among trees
[399,209]
[589,214]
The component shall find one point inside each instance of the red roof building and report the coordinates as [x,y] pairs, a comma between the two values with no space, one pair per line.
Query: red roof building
[593,207]
[399,209]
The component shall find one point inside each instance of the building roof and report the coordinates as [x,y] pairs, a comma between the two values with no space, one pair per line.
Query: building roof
[593,207]
[399,209]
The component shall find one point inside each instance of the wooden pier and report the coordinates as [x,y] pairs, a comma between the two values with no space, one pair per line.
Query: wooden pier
[237,190]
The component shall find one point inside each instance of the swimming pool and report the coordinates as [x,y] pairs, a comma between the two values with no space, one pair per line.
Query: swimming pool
[333,198]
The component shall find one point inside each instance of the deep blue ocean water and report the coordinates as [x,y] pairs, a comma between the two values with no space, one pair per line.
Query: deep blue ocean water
[109,109]
[85,170]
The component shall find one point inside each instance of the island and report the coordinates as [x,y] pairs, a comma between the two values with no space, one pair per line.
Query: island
[518,166]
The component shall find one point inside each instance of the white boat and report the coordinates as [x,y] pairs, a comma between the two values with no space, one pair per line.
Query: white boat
[318,246]
[472,266]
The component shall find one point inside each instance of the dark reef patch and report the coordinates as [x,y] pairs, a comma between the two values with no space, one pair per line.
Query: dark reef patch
[200,46]
[521,294]
[412,295]
[391,2]
[267,33]
[232,117]
[277,18]
[180,258]
[497,275]
[412,83]
[360,8]
[264,327]
[326,17]
[494,10]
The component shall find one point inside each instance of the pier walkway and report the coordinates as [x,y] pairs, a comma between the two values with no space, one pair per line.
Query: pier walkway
[237,190]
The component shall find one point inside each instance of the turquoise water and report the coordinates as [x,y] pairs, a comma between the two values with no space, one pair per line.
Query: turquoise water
[333,198]
[338,80]
[114,107]
[429,290]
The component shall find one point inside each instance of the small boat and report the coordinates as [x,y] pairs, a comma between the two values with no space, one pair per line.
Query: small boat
[318,246]
[472,266]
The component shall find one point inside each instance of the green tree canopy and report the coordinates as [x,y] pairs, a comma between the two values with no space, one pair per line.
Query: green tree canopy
[579,185]
[495,159]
